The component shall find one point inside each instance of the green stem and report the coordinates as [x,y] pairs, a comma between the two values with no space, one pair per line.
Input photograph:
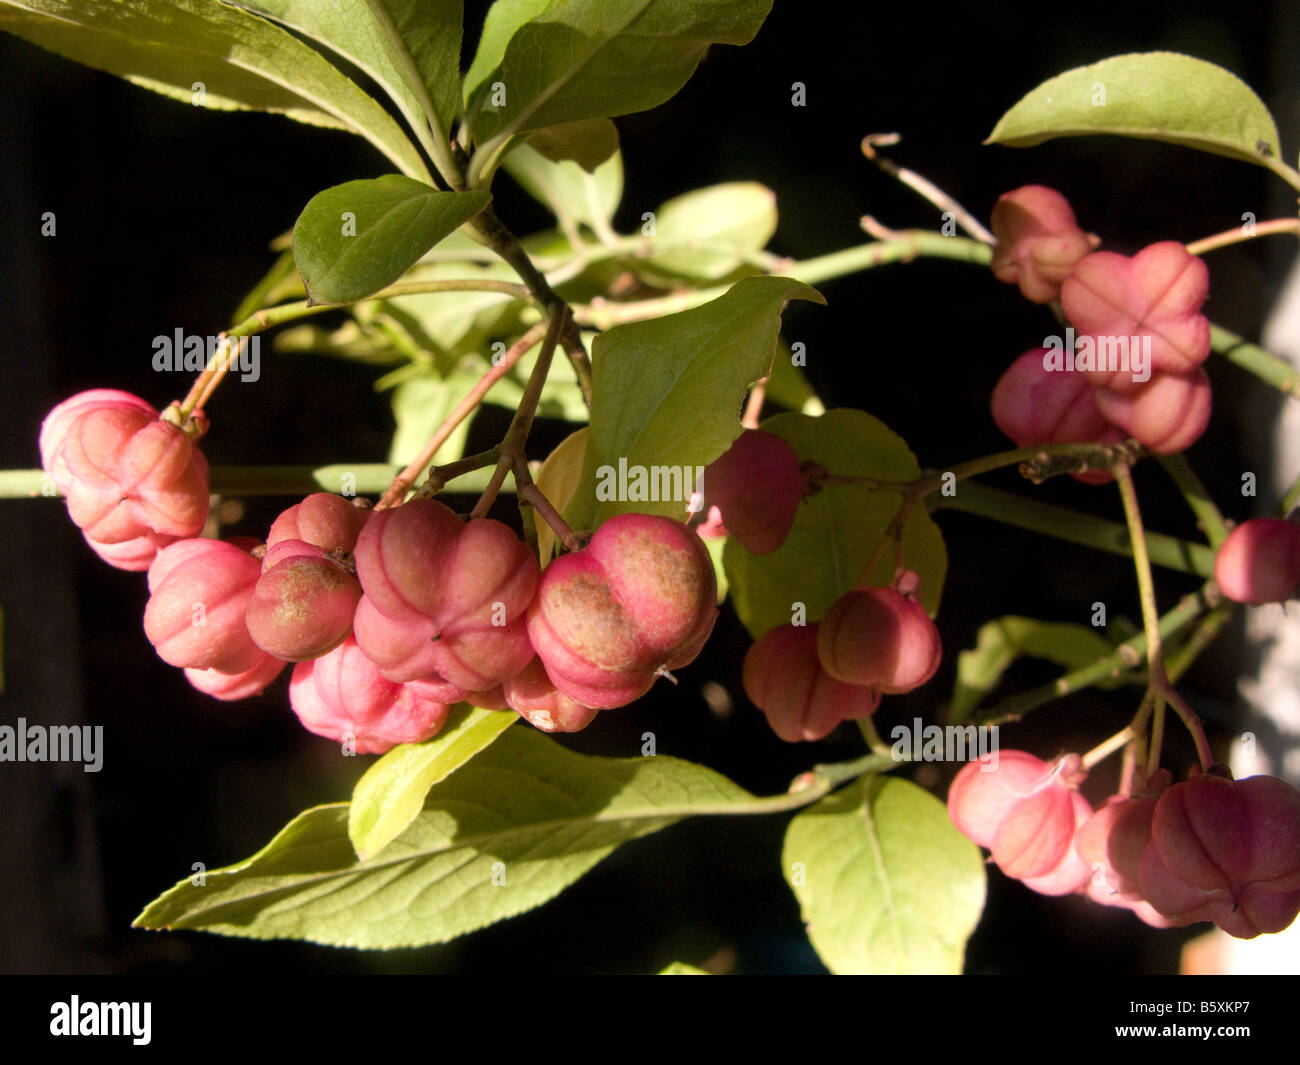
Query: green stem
[1207,514]
[1268,367]
[1074,527]
[1290,499]
[370,478]
[1125,657]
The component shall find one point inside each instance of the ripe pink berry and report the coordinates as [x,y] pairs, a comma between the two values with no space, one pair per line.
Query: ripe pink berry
[535,698]
[328,521]
[1038,241]
[231,686]
[124,471]
[1166,415]
[443,598]
[1033,405]
[783,678]
[1111,843]
[757,486]
[1157,293]
[303,602]
[1225,851]
[344,697]
[1259,562]
[1027,813]
[200,590]
[879,638]
[638,601]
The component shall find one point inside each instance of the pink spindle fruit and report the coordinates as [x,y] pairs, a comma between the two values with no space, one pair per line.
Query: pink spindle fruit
[1166,415]
[125,472]
[879,638]
[1225,851]
[1027,813]
[1038,241]
[535,698]
[783,678]
[200,590]
[1259,562]
[344,697]
[231,686]
[1157,294]
[638,601]
[757,487]
[303,602]
[443,598]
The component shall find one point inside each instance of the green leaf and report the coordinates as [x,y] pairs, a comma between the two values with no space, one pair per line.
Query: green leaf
[588,142]
[558,479]
[239,61]
[711,231]
[353,239]
[668,392]
[411,48]
[444,318]
[505,833]
[575,59]
[1002,640]
[885,883]
[1160,96]
[839,528]
[566,189]
[391,793]
[421,404]
[681,968]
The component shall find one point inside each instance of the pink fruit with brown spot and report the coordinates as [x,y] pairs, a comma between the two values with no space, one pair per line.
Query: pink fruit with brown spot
[1259,562]
[637,601]
[443,598]
[1166,415]
[1156,294]
[1038,241]
[784,678]
[303,602]
[757,486]
[344,697]
[879,638]
[200,590]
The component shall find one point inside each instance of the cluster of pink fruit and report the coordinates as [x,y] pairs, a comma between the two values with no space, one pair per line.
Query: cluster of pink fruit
[1121,309]
[391,616]
[1208,849]
[871,642]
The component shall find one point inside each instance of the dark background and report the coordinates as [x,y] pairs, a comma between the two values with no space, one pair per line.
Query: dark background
[164,213]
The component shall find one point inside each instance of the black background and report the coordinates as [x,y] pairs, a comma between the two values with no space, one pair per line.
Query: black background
[164,213]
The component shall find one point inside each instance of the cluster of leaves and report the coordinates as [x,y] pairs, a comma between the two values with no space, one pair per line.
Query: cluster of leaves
[490,819]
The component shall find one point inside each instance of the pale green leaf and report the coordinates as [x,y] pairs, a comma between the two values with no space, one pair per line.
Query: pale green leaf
[1160,96]
[353,239]
[210,55]
[558,479]
[391,793]
[885,883]
[711,231]
[566,189]
[681,968]
[588,142]
[667,393]
[839,528]
[1001,641]
[505,833]
[421,403]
